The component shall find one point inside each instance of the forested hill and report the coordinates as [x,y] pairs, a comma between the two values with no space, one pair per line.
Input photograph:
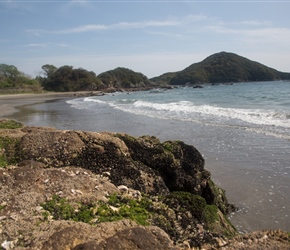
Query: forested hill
[222,67]
[124,78]
[66,78]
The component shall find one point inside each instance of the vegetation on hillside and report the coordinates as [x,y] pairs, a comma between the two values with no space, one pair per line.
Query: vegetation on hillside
[66,78]
[124,78]
[14,81]
[164,78]
[223,67]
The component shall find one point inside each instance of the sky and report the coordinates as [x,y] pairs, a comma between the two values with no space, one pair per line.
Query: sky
[151,37]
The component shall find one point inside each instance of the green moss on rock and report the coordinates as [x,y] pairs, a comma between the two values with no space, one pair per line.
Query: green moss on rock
[9,153]
[62,209]
[186,202]
[210,214]
[120,207]
[10,124]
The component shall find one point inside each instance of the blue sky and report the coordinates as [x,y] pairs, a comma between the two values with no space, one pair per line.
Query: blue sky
[151,37]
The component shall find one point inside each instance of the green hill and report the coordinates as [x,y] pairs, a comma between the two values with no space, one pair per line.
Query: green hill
[124,78]
[222,67]
[66,78]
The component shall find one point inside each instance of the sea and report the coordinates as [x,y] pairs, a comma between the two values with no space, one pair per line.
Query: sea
[241,129]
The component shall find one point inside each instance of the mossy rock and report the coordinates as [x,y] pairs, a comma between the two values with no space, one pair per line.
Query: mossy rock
[9,153]
[186,202]
[193,209]
[217,196]
[10,124]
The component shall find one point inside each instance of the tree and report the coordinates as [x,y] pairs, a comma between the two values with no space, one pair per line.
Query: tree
[9,71]
[49,69]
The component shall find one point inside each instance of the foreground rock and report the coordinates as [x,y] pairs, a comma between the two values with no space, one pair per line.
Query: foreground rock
[85,190]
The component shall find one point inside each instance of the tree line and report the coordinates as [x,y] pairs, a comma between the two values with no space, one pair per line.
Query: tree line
[12,79]
[51,78]
[67,78]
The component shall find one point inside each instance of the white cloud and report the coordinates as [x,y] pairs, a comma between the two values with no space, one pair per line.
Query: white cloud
[98,27]
[80,29]
[42,45]
[254,23]
[36,45]
[168,34]
[144,24]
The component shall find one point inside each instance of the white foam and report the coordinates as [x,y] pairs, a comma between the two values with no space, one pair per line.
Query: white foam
[187,109]
[91,99]
[270,122]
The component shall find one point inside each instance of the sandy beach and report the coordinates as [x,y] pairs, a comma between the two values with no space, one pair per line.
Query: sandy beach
[8,103]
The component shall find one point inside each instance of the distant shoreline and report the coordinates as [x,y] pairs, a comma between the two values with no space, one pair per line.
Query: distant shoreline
[8,103]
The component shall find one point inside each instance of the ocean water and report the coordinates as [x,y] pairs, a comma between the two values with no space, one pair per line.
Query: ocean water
[242,130]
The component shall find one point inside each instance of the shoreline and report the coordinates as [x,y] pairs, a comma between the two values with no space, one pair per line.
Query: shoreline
[9,103]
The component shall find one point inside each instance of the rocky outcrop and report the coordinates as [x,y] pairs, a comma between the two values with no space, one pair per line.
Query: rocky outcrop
[142,163]
[87,190]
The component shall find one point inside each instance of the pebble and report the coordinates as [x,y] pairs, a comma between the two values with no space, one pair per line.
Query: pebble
[3,204]
[186,245]
[59,193]
[107,174]
[38,208]
[137,194]
[7,245]
[14,217]
[3,217]
[115,209]
[79,192]
[123,188]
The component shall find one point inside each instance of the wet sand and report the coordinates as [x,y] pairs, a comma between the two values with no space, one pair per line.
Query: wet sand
[8,103]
